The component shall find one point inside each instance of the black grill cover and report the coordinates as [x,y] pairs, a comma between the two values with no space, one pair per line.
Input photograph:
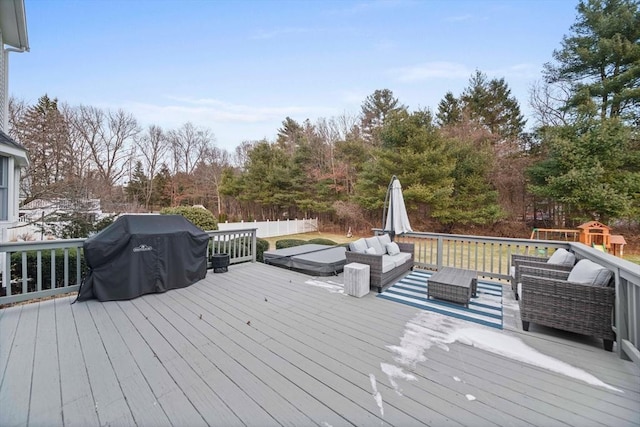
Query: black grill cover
[141,254]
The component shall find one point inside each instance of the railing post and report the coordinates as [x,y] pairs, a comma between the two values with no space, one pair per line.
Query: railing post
[439,251]
[254,245]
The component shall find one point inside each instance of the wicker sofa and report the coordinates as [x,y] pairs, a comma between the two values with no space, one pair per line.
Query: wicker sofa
[548,298]
[379,279]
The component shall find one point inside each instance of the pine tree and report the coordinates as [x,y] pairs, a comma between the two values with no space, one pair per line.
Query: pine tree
[375,110]
[600,60]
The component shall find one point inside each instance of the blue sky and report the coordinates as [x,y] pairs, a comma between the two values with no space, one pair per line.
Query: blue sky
[240,67]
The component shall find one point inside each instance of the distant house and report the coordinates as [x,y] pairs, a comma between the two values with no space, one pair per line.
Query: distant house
[13,157]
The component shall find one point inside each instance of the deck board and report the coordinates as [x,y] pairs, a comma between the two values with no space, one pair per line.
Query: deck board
[260,346]
[44,403]
[78,403]
[16,383]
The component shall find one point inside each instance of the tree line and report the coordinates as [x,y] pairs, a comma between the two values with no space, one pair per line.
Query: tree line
[468,163]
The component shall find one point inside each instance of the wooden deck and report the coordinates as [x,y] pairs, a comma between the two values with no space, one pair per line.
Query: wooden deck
[258,347]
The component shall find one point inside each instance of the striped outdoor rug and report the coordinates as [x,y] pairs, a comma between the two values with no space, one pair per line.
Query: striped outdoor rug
[486,309]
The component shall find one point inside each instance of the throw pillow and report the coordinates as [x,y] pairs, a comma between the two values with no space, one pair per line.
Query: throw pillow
[562,257]
[371,251]
[590,273]
[393,248]
[358,246]
[374,242]
[385,239]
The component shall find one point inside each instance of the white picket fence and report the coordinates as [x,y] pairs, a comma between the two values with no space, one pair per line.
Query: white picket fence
[274,228]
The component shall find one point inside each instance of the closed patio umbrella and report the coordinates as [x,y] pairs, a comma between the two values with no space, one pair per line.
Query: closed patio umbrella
[396,220]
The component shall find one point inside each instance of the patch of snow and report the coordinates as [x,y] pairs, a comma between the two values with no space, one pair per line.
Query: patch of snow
[470,397]
[333,287]
[456,379]
[376,394]
[326,424]
[427,329]
[394,372]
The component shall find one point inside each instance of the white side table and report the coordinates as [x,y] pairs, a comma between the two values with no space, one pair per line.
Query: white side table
[356,279]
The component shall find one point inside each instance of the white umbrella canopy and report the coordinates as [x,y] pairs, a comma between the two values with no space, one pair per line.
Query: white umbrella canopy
[397,221]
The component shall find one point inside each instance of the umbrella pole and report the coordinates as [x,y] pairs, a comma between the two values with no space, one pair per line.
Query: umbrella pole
[385,207]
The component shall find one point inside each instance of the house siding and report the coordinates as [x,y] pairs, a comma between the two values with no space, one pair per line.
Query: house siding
[3,88]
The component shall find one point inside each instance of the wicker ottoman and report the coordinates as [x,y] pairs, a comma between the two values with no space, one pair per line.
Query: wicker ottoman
[453,284]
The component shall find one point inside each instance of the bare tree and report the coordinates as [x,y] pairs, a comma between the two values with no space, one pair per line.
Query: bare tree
[188,145]
[549,102]
[209,173]
[81,168]
[153,145]
[108,135]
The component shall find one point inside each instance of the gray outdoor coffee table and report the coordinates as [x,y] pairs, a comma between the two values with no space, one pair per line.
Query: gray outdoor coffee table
[453,284]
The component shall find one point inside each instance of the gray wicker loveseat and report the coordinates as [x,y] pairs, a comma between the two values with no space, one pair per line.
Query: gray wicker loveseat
[571,301]
[386,262]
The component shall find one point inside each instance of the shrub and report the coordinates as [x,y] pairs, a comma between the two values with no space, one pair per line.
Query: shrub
[32,268]
[321,241]
[289,243]
[201,218]
[261,246]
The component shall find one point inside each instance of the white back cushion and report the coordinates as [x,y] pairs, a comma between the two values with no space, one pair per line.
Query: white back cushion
[392,248]
[589,273]
[374,242]
[384,240]
[358,246]
[562,257]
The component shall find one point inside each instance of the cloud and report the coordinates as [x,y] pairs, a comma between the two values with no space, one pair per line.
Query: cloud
[432,70]
[516,71]
[277,32]
[459,18]
[181,110]
[453,70]
[367,6]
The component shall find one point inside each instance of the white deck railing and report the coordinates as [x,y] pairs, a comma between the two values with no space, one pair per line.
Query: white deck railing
[46,268]
[491,257]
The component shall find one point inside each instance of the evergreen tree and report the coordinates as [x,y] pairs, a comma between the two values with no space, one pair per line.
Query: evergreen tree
[601,59]
[136,189]
[449,110]
[592,170]
[375,109]
[45,134]
[490,104]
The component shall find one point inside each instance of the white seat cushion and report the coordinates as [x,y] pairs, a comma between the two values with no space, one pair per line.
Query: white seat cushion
[513,271]
[370,251]
[590,273]
[388,263]
[562,257]
[374,242]
[401,258]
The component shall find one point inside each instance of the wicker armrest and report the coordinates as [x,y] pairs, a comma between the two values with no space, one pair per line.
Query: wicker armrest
[406,247]
[543,272]
[539,265]
[515,258]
